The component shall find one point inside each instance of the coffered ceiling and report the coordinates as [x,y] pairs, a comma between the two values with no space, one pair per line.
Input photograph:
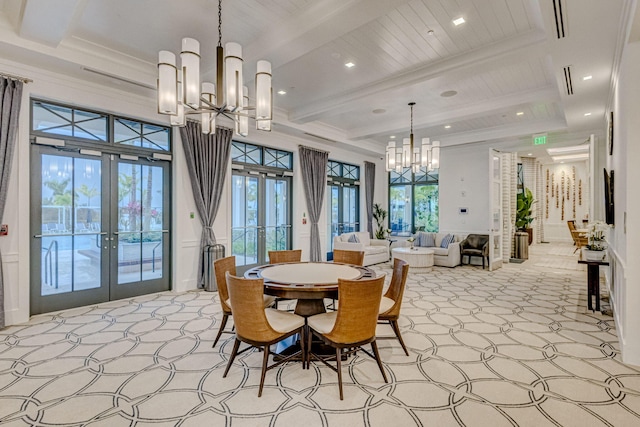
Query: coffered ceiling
[509,57]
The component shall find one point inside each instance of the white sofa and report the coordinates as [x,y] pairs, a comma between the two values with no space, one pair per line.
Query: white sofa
[375,250]
[443,257]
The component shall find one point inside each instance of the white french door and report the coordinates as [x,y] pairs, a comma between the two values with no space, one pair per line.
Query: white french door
[495,207]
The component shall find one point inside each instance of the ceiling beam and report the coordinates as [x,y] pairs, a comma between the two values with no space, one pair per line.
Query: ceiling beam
[515,130]
[48,22]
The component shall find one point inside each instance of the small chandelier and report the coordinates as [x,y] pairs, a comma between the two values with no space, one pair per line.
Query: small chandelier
[180,92]
[408,155]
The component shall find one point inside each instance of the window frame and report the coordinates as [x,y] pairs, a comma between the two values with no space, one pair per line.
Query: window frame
[412,180]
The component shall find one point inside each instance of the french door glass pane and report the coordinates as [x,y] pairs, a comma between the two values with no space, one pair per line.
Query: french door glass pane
[140,200]
[276,214]
[70,223]
[426,212]
[401,211]
[244,231]
[349,209]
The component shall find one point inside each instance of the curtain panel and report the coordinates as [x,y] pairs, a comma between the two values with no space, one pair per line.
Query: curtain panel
[313,165]
[369,187]
[207,159]
[10,100]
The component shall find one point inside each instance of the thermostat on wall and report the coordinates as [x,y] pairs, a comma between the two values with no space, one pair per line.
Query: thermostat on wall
[463,211]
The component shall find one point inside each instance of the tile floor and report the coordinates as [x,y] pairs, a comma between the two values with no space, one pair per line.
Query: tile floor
[510,347]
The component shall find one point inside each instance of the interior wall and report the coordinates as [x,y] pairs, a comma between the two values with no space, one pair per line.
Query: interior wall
[464,182]
[623,237]
[575,195]
[186,231]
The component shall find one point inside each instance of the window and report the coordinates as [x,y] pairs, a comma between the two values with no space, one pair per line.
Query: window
[413,201]
[60,120]
[71,123]
[343,200]
[249,154]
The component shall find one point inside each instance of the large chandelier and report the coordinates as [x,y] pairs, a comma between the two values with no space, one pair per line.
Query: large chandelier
[409,155]
[180,92]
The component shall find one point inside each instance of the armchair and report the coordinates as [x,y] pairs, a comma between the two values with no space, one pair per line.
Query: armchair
[475,245]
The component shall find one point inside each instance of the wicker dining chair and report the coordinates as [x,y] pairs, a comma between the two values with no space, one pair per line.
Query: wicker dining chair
[351,326]
[348,257]
[221,267]
[392,299]
[258,326]
[278,257]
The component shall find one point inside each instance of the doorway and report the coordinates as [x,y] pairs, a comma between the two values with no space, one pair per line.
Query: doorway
[100,227]
[261,216]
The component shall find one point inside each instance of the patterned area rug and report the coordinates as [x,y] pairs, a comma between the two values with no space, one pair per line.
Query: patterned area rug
[511,347]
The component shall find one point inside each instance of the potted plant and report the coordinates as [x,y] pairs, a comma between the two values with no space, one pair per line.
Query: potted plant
[379,215]
[595,250]
[524,213]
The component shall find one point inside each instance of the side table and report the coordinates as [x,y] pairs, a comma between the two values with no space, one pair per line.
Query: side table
[593,281]
[416,257]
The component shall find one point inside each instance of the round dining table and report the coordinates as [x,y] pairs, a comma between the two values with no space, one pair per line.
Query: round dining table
[308,282]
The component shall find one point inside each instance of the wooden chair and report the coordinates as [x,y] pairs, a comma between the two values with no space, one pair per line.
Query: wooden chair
[221,267]
[348,257]
[278,257]
[580,239]
[352,326]
[258,326]
[392,299]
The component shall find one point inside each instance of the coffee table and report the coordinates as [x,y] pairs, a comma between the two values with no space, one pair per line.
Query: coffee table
[415,257]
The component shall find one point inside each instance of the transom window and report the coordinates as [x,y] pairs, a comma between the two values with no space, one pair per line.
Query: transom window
[62,121]
[67,121]
[343,170]
[250,154]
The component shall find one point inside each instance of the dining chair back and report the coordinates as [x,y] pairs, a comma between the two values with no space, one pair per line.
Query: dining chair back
[348,257]
[277,257]
[351,326]
[392,299]
[221,267]
[259,326]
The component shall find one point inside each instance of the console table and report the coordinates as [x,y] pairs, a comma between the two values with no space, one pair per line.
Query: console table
[593,281]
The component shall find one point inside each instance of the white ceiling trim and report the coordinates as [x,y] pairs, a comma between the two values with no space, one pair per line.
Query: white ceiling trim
[479,109]
[510,131]
[315,110]
[314,27]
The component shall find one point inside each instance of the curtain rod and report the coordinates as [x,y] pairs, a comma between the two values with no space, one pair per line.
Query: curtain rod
[312,148]
[14,77]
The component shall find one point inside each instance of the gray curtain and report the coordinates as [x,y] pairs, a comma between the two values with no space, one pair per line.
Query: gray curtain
[369,186]
[313,165]
[207,159]
[10,99]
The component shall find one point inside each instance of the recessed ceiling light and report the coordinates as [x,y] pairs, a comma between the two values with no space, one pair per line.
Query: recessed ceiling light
[379,111]
[458,21]
[520,113]
[392,137]
[530,154]
[587,114]
[282,92]
[561,162]
[587,77]
[447,127]
[448,93]
[430,32]
[349,65]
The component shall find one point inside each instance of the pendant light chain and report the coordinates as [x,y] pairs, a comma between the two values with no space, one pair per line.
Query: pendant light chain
[219,23]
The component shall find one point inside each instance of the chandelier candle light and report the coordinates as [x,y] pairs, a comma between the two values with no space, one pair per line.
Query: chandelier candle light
[409,155]
[180,92]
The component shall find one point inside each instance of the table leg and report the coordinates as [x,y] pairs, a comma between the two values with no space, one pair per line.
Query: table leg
[309,307]
[593,285]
